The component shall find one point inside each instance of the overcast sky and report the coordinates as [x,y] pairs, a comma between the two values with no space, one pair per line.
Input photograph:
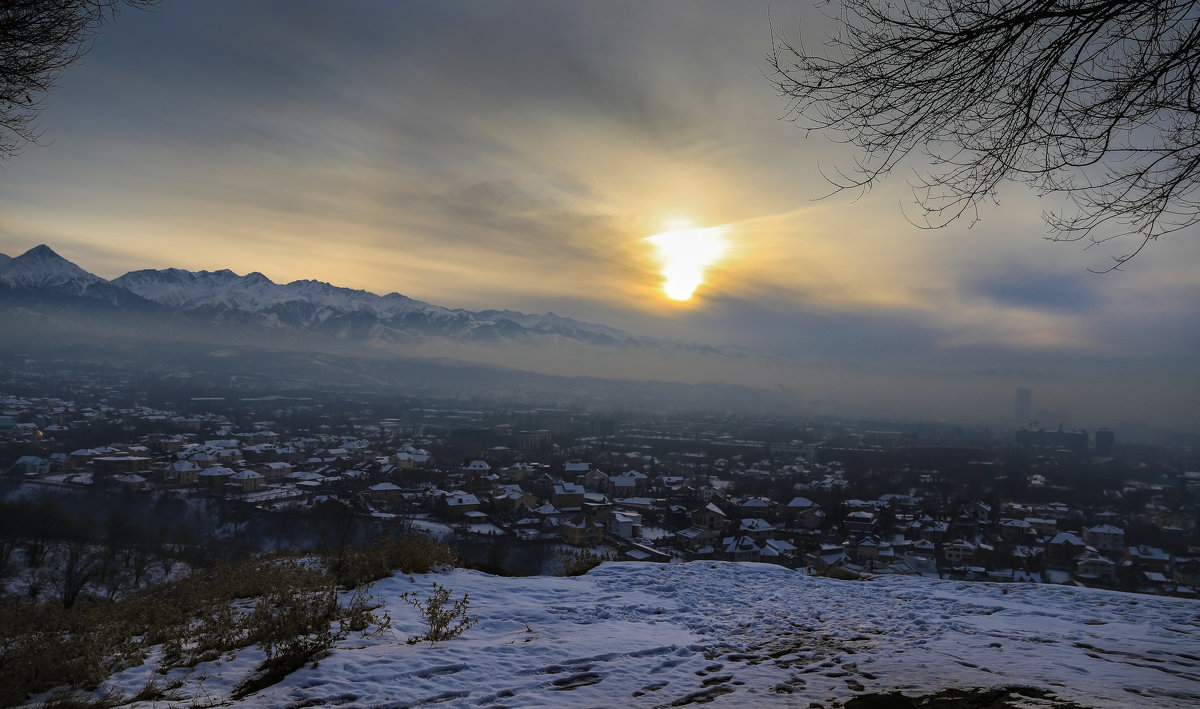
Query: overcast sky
[517,155]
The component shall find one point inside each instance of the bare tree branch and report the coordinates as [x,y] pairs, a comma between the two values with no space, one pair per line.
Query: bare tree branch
[1094,99]
[38,40]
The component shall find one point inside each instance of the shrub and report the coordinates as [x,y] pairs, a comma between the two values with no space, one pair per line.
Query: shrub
[412,554]
[841,574]
[293,626]
[289,604]
[578,563]
[442,621]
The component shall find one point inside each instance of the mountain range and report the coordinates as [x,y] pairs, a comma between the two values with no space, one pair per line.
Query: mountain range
[223,298]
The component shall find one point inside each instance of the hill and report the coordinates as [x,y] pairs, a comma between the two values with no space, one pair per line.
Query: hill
[736,634]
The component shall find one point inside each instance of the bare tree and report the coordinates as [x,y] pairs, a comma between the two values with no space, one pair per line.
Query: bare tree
[1093,99]
[38,40]
[81,564]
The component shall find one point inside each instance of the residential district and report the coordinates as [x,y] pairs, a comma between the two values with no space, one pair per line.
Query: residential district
[509,486]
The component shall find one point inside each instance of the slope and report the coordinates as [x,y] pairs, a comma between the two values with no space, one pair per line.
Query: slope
[735,634]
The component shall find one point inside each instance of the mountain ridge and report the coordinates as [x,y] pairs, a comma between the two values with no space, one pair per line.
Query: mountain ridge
[222,297]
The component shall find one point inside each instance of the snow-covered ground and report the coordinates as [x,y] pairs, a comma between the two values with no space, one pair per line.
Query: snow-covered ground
[648,635]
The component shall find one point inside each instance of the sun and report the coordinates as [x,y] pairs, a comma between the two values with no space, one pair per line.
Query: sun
[685,255]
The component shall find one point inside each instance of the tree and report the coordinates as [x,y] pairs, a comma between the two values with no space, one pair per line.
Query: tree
[1093,99]
[38,40]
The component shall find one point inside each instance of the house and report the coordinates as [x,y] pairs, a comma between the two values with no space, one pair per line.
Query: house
[867,549]
[77,458]
[513,497]
[757,529]
[627,525]
[693,538]
[573,469]
[628,484]
[596,479]
[458,503]
[477,467]
[805,513]
[1016,531]
[622,486]
[567,496]
[1186,570]
[249,480]
[1062,549]
[215,477]
[581,531]
[860,522]
[779,551]
[32,465]
[1105,538]
[1043,526]
[1090,566]
[185,472]
[709,517]
[276,470]
[385,492]
[757,507]
[826,557]
[1148,558]
[740,549]
[958,552]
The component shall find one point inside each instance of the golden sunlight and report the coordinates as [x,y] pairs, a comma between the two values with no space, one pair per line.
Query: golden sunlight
[685,255]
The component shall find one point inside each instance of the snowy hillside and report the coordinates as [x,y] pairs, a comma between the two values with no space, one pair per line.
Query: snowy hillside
[738,635]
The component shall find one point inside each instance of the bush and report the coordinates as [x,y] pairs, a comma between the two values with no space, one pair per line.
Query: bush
[841,574]
[442,622]
[413,554]
[287,603]
[578,563]
[293,626]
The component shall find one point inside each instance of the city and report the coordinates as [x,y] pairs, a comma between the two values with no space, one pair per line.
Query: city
[508,487]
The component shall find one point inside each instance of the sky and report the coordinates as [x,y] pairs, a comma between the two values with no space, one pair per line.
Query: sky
[520,155]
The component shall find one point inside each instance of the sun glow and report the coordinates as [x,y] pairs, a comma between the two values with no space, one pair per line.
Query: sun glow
[685,255]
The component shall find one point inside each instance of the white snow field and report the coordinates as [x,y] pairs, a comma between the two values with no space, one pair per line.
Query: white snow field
[735,635]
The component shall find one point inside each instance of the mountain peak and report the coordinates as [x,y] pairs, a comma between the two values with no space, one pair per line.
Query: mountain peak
[41,251]
[41,267]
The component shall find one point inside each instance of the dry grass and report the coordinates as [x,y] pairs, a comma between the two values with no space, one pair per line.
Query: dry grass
[286,603]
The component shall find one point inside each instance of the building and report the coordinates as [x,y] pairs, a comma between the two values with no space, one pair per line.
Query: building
[1023,407]
[533,440]
[1105,538]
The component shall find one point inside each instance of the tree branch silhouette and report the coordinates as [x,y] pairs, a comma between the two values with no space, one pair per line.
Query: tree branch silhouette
[1093,99]
[39,39]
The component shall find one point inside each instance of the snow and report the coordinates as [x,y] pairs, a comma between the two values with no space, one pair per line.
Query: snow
[739,634]
[40,267]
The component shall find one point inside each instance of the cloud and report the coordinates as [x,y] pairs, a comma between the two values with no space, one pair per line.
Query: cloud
[486,155]
[1019,285]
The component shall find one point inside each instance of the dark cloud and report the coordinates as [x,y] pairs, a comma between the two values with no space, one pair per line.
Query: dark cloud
[1028,287]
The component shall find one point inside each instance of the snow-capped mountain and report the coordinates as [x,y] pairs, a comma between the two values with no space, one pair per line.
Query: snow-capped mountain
[40,267]
[255,292]
[224,298]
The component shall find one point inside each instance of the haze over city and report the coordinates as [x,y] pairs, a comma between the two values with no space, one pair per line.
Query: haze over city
[549,157]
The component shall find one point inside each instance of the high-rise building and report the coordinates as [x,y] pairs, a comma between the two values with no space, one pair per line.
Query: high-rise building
[1023,407]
